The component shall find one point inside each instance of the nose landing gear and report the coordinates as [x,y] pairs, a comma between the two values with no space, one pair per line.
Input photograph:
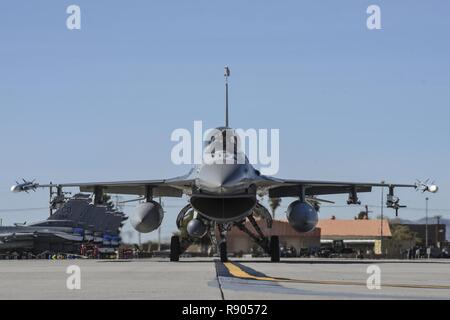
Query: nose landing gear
[274,249]
[175,249]
[223,251]
[223,230]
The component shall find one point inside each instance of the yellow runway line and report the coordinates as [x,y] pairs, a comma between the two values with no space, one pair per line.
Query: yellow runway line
[237,272]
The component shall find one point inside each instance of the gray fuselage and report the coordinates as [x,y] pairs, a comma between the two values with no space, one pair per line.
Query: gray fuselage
[224,189]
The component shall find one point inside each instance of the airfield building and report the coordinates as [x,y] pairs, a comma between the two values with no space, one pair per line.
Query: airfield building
[359,235]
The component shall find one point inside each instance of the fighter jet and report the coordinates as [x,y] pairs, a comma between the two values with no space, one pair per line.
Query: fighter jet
[34,237]
[71,225]
[223,194]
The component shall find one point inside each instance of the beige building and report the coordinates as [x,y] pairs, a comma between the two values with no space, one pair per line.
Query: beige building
[361,235]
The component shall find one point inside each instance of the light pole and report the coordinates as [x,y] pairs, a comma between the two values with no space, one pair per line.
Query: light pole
[438,229]
[382,217]
[426,222]
[159,229]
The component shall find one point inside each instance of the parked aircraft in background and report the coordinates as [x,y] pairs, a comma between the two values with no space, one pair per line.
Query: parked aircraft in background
[75,222]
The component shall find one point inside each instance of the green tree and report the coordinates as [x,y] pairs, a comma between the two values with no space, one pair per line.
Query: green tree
[401,232]
[402,238]
[364,214]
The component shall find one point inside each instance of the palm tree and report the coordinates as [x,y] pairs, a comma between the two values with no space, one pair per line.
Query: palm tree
[274,204]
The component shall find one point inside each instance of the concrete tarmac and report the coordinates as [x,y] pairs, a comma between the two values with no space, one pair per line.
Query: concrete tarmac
[240,279]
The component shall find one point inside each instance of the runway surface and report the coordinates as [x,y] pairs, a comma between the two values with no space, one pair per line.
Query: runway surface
[209,279]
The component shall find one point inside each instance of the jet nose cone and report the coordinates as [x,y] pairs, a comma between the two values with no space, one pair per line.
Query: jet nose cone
[218,176]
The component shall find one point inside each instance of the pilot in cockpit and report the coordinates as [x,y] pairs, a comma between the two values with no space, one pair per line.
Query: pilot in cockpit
[224,144]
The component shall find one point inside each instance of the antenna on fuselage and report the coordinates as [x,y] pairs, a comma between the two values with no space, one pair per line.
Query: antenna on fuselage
[227,74]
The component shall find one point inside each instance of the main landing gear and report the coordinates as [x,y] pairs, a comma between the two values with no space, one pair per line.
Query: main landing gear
[270,245]
[273,250]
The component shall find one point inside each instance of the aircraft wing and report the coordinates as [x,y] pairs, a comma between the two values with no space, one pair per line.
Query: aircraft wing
[161,188]
[21,236]
[67,236]
[278,188]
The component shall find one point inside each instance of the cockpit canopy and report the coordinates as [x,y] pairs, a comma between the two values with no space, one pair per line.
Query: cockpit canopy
[224,143]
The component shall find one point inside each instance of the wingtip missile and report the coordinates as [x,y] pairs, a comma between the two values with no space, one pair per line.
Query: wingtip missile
[426,187]
[24,187]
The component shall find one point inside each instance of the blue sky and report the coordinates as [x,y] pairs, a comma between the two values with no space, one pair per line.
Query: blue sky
[100,103]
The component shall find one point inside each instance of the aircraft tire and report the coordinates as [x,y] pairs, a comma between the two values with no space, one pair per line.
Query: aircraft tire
[175,249]
[223,251]
[274,249]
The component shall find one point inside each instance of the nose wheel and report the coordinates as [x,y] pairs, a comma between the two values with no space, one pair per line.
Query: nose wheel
[274,249]
[223,251]
[223,230]
[175,249]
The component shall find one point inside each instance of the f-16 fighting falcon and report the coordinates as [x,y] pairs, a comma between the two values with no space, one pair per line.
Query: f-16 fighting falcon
[223,194]
[76,221]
